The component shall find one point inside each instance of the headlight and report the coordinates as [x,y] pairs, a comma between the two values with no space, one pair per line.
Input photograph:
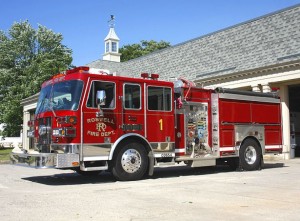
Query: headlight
[64,132]
[30,133]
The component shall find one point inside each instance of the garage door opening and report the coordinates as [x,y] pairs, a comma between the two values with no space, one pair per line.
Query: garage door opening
[294,101]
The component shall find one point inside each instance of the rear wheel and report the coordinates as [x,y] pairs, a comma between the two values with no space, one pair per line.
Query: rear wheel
[130,162]
[250,155]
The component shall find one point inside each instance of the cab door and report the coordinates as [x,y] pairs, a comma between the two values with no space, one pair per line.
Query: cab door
[99,132]
[132,108]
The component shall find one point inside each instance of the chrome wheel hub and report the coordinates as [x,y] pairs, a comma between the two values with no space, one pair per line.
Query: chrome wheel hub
[131,161]
[250,155]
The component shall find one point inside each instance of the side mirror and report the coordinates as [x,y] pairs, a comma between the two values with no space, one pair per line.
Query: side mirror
[100,101]
[100,98]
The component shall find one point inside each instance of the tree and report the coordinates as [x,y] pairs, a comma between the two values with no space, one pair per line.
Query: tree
[27,58]
[144,47]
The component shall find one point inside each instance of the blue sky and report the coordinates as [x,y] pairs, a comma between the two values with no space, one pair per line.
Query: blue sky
[84,23]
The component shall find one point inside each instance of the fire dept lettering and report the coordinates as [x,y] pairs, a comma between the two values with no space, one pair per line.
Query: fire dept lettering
[104,120]
[100,134]
[100,127]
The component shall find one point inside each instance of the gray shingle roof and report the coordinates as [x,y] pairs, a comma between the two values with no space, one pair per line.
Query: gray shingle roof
[268,40]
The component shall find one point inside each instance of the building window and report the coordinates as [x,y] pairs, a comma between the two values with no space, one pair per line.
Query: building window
[107,47]
[159,98]
[114,46]
[132,96]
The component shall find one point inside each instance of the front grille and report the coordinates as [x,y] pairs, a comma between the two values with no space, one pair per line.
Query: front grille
[44,134]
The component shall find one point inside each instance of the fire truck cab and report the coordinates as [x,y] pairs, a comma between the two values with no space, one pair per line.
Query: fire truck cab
[89,120]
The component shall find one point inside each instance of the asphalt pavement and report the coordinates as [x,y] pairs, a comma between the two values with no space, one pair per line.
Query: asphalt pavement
[173,193]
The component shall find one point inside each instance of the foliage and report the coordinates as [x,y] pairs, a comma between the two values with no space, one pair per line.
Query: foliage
[4,154]
[144,47]
[28,57]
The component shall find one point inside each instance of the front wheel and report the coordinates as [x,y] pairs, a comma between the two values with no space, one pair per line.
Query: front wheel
[130,162]
[250,155]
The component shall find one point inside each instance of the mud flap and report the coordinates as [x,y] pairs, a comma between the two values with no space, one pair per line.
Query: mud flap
[261,165]
[151,164]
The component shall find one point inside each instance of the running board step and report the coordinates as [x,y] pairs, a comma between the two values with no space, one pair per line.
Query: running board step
[93,168]
[160,164]
[203,163]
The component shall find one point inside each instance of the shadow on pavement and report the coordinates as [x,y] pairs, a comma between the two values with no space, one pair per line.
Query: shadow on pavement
[271,165]
[73,178]
[179,171]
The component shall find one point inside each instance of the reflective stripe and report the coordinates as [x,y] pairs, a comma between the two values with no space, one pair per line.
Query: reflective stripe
[95,158]
[267,147]
[227,148]
[180,150]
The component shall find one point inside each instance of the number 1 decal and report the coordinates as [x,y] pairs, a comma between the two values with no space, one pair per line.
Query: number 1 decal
[161,124]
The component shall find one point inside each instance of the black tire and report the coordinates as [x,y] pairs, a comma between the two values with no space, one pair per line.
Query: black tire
[131,162]
[250,155]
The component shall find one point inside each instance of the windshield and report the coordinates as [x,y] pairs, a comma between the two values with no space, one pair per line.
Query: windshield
[60,96]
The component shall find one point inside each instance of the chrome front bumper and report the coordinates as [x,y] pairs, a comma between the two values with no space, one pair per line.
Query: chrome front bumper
[45,160]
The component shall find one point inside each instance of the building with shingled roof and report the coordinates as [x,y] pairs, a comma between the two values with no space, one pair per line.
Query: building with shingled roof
[262,54]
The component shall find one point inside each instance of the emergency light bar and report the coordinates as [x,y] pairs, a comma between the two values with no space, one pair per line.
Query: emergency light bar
[89,70]
[83,69]
[152,76]
[99,71]
[78,69]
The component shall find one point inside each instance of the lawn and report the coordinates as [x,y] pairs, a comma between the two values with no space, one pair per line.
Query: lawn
[4,154]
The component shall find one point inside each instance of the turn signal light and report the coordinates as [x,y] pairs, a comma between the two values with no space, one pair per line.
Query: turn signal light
[66,120]
[75,164]
[30,123]
[72,120]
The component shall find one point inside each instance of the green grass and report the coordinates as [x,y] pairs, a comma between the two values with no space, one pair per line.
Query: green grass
[4,154]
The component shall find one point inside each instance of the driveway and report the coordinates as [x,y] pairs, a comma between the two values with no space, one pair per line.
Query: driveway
[177,193]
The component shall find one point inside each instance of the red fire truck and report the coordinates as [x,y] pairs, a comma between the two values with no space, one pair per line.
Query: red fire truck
[89,121]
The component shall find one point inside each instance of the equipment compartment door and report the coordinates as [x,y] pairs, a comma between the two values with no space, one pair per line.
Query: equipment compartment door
[197,130]
[160,114]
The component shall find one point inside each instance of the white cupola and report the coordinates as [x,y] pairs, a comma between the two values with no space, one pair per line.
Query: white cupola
[111,44]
